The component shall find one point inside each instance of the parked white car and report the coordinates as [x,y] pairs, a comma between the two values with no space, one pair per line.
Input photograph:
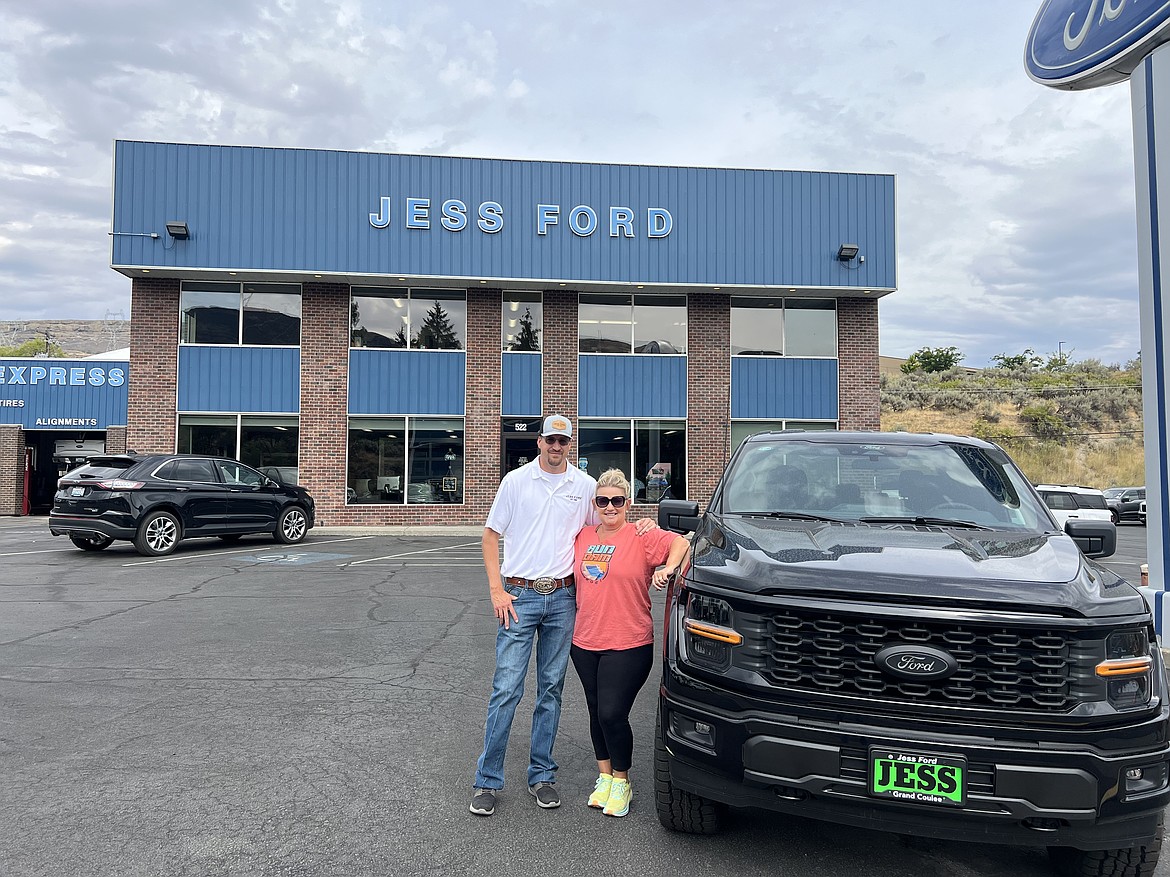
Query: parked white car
[1072,502]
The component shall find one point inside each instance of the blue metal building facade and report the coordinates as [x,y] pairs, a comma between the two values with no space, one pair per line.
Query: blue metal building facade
[354,219]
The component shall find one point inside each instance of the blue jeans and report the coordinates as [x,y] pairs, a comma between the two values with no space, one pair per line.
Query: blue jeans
[547,622]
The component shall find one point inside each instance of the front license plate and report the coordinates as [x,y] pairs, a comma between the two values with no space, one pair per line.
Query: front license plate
[77,491]
[917,778]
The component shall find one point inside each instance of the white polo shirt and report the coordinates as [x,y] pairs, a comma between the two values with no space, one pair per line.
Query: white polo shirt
[539,515]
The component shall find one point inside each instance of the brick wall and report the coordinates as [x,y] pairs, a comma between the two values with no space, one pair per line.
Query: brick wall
[116,440]
[857,349]
[559,360]
[11,469]
[708,392]
[154,365]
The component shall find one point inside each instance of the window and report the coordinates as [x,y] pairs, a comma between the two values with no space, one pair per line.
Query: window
[741,429]
[652,454]
[398,460]
[194,470]
[419,319]
[617,323]
[262,314]
[783,327]
[255,440]
[523,321]
[231,472]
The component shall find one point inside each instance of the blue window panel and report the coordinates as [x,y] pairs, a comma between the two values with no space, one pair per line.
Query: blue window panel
[68,394]
[407,381]
[626,385]
[308,210]
[783,388]
[240,379]
[521,384]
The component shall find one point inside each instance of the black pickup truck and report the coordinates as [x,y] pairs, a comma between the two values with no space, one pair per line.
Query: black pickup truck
[889,630]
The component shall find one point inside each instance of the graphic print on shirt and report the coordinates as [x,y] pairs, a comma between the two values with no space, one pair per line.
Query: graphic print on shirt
[595,563]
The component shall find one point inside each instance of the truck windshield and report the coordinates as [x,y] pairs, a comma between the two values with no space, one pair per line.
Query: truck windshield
[857,482]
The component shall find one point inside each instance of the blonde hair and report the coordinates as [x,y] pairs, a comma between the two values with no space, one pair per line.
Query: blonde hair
[614,478]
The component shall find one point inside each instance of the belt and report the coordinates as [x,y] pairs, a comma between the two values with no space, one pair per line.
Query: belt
[542,585]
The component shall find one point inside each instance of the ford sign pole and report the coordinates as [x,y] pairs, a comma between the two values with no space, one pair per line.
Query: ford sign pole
[1079,44]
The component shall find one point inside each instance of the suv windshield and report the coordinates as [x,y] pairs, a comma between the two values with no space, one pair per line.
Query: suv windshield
[879,482]
[101,467]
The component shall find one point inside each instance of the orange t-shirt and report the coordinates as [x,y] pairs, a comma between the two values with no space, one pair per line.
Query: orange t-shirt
[613,582]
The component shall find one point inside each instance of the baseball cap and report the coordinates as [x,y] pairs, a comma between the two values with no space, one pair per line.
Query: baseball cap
[555,424]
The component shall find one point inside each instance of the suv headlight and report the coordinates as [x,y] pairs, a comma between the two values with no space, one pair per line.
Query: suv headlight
[1126,668]
[710,633]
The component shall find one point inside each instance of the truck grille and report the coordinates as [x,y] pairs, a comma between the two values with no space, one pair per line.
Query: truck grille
[999,667]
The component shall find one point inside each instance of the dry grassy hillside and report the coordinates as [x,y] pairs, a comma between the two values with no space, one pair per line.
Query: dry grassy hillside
[1076,424]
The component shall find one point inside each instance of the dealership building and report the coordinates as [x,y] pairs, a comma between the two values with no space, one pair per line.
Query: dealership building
[392,327]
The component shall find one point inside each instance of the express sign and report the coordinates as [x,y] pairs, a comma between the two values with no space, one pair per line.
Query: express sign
[1078,44]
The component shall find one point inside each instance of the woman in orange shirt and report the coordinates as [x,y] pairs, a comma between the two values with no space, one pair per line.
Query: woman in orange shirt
[613,640]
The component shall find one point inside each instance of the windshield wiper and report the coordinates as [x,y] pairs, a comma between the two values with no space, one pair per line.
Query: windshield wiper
[921,521]
[795,516]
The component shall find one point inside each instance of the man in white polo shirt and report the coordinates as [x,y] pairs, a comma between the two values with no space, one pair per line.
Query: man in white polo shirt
[539,509]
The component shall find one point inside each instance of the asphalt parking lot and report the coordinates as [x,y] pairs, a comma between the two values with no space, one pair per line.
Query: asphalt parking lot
[255,709]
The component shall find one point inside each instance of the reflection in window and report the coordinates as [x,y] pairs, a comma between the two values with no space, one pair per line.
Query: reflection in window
[436,461]
[211,436]
[256,440]
[269,441]
[266,314]
[651,453]
[210,313]
[272,314]
[523,321]
[762,326]
[421,319]
[616,323]
[389,463]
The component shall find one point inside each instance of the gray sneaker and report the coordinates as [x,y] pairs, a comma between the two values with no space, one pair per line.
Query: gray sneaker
[483,802]
[546,795]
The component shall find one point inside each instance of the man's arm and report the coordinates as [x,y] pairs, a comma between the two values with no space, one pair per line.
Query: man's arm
[501,599]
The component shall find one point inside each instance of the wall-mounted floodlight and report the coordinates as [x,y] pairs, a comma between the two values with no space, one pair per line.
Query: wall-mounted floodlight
[178,230]
[845,252]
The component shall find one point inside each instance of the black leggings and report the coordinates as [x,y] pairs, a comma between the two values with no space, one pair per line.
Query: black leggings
[612,679]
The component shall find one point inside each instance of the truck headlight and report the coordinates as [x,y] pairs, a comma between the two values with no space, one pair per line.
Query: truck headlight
[1126,668]
[710,632]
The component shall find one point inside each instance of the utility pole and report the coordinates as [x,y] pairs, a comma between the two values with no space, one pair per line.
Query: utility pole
[48,342]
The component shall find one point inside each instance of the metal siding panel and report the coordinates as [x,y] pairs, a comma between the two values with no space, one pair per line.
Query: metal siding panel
[623,385]
[307,210]
[97,407]
[407,382]
[765,388]
[521,382]
[239,379]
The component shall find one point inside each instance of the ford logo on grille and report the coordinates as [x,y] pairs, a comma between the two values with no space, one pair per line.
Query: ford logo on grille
[916,662]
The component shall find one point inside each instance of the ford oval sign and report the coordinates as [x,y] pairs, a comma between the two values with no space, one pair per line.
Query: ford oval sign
[1085,43]
[920,663]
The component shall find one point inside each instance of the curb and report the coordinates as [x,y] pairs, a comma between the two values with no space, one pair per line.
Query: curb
[400,530]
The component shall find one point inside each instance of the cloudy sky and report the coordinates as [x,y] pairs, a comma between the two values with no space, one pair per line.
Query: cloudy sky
[1016,223]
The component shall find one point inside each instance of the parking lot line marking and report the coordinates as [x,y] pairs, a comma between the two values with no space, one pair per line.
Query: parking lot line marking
[251,550]
[410,553]
[39,551]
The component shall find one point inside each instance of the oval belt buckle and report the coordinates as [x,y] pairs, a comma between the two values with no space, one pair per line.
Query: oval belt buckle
[544,585]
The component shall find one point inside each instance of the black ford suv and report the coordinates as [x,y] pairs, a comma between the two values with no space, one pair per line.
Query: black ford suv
[159,499]
[888,630]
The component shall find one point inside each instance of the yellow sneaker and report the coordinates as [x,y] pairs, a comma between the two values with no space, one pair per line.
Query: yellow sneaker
[601,791]
[620,794]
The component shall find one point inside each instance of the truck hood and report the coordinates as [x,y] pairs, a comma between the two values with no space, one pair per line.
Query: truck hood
[1043,572]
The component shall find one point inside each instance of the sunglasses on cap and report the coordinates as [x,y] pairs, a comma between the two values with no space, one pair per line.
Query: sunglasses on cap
[557,439]
[604,501]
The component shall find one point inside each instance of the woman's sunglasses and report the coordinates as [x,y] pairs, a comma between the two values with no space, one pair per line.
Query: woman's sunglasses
[604,501]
